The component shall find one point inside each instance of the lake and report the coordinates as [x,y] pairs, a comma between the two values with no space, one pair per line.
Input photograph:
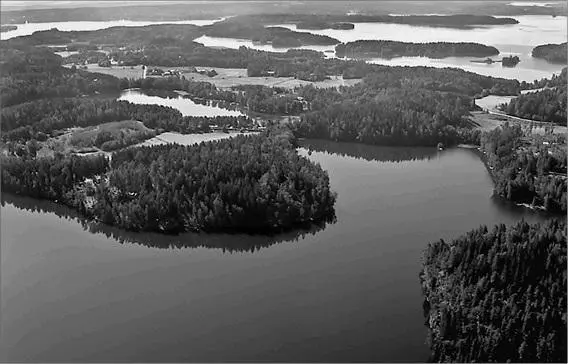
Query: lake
[185,105]
[518,39]
[344,292]
[67,26]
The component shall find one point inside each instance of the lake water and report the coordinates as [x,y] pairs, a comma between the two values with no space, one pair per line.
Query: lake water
[518,39]
[345,292]
[29,28]
[185,105]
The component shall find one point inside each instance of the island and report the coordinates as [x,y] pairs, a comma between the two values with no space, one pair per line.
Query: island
[391,49]
[510,61]
[553,53]
[277,36]
[497,294]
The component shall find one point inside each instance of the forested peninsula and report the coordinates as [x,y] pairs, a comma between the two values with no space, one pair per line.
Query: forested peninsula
[498,294]
[391,49]
[553,53]
[250,184]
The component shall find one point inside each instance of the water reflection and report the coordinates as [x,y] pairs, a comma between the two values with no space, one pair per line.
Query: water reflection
[519,211]
[370,152]
[228,243]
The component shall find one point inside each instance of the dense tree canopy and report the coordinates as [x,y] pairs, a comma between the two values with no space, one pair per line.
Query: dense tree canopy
[532,174]
[387,116]
[31,73]
[256,183]
[389,49]
[498,295]
[548,105]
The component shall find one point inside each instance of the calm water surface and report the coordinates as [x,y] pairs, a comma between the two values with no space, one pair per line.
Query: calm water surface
[185,105]
[345,292]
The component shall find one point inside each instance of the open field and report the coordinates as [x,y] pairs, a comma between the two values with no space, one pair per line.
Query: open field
[110,132]
[187,139]
[116,71]
[488,121]
[226,77]
[96,139]
[490,103]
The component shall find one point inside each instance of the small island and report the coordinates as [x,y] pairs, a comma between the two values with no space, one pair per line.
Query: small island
[391,49]
[510,61]
[7,28]
[553,53]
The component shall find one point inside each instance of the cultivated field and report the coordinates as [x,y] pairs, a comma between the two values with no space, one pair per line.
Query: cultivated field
[116,71]
[226,77]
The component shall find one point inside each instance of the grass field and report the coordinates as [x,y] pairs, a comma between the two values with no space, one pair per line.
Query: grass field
[485,122]
[187,139]
[228,77]
[491,102]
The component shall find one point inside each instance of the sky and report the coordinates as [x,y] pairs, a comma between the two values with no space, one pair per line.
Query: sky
[52,4]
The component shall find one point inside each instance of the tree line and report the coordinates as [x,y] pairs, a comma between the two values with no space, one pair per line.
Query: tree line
[390,48]
[548,105]
[32,73]
[498,294]
[38,120]
[387,116]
